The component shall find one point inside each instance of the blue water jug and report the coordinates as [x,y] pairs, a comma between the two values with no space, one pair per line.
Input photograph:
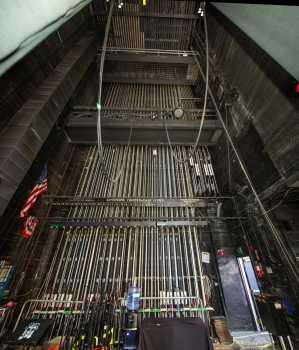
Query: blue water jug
[133,302]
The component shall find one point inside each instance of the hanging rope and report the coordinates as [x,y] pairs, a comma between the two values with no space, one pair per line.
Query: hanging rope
[99,106]
[194,147]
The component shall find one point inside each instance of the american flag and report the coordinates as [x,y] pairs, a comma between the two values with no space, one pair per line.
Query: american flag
[40,187]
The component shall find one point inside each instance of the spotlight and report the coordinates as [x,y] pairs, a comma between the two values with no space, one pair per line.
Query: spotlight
[178,112]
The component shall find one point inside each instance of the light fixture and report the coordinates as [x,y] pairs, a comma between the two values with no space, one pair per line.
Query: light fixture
[220,252]
[178,112]
[201,8]
[200,12]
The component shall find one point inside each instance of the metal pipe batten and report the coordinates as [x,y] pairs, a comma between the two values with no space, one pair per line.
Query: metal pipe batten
[92,263]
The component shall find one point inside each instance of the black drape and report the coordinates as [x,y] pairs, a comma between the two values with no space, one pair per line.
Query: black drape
[174,334]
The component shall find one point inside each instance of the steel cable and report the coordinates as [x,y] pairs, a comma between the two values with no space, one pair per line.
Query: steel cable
[99,127]
[194,147]
[289,260]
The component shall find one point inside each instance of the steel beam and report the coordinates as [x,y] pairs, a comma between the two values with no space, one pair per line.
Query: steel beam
[115,79]
[91,108]
[119,222]
[150,14]
[133,202]
[83,130]
[144,57]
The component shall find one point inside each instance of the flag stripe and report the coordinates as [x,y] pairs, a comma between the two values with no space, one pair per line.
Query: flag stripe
[39,191]
[40,187]
[36,192]
[36,188]
[30,203]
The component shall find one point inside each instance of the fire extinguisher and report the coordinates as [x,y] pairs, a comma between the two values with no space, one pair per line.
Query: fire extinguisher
[259,271]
